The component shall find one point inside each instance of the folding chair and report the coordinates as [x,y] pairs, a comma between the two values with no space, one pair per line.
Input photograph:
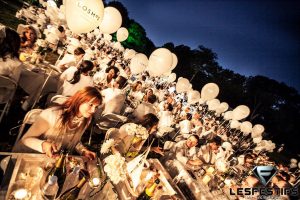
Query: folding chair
[29,119]
[7,92]
[110,120]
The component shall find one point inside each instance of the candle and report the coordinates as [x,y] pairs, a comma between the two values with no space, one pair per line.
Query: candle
[21,194]
[96,181]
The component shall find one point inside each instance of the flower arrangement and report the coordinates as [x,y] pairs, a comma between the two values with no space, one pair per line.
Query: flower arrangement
[105,148]
[115,168]
[137,130]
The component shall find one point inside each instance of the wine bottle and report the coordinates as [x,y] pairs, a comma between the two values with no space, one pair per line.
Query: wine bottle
[50,189]
[72,179]
[59,170]
[73,193]
[149,191]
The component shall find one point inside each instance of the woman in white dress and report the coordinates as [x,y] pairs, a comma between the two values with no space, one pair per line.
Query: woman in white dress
[62,126]
[74,79]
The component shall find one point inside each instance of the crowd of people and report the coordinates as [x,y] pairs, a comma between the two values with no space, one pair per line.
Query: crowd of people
[95,80]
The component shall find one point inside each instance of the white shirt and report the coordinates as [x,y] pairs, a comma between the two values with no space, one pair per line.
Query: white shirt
[68,89]
[185,126]
[10,68]
[166,119]
[143,109]
[184,153]
[113,99]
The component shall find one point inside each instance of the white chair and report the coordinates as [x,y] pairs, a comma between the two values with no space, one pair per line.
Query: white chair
[29,119]
[110,120]
[7,92]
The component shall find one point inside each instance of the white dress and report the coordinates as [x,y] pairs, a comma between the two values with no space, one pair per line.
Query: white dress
[68,138]
[10,68]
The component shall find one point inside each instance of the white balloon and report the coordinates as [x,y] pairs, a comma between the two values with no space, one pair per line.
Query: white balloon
[182,85]
[168,73]
[112,20]
[172,78]
[246,127]
[257,139]
[118,46]
[222,107]
[122,34]
[193,96]
[160,61]
[201,101]
[234,124]
[129,53]
[83,16]
[174,61]
[213,104]
[241,112]
[209,91]
[228,115]
[107,37]
[258,129]
[138,63]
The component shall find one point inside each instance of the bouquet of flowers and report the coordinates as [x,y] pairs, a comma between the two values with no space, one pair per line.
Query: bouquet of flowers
[106,146]
[115,168]
[137,131]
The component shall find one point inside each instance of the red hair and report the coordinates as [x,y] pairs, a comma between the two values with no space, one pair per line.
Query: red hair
[71,106]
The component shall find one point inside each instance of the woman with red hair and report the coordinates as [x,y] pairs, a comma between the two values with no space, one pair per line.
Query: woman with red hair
[62,126]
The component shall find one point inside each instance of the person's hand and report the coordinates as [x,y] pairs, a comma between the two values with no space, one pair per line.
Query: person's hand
[49,148]
[158,150]
[89,154]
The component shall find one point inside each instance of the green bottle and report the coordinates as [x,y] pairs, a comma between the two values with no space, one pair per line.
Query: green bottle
[73,193]
[149,191]
[59,170]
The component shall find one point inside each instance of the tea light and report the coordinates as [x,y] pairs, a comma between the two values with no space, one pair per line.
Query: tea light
[96,181]
[21,194]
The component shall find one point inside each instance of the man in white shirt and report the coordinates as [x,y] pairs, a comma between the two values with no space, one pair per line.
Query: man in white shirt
[208,152]
[187,152]
[114,98]
[145,108]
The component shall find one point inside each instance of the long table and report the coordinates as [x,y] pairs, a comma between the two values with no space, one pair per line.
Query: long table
[22,170]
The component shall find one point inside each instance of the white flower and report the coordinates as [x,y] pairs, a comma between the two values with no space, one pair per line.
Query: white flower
[41,43]
[137,130]
[115,168]
[107,145]
[142,132]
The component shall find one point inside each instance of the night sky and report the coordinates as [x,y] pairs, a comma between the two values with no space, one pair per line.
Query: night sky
[251,37]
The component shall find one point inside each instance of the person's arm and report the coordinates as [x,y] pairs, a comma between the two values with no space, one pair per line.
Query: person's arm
[31,137]
[194,162]
[82,150]
[181,158]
